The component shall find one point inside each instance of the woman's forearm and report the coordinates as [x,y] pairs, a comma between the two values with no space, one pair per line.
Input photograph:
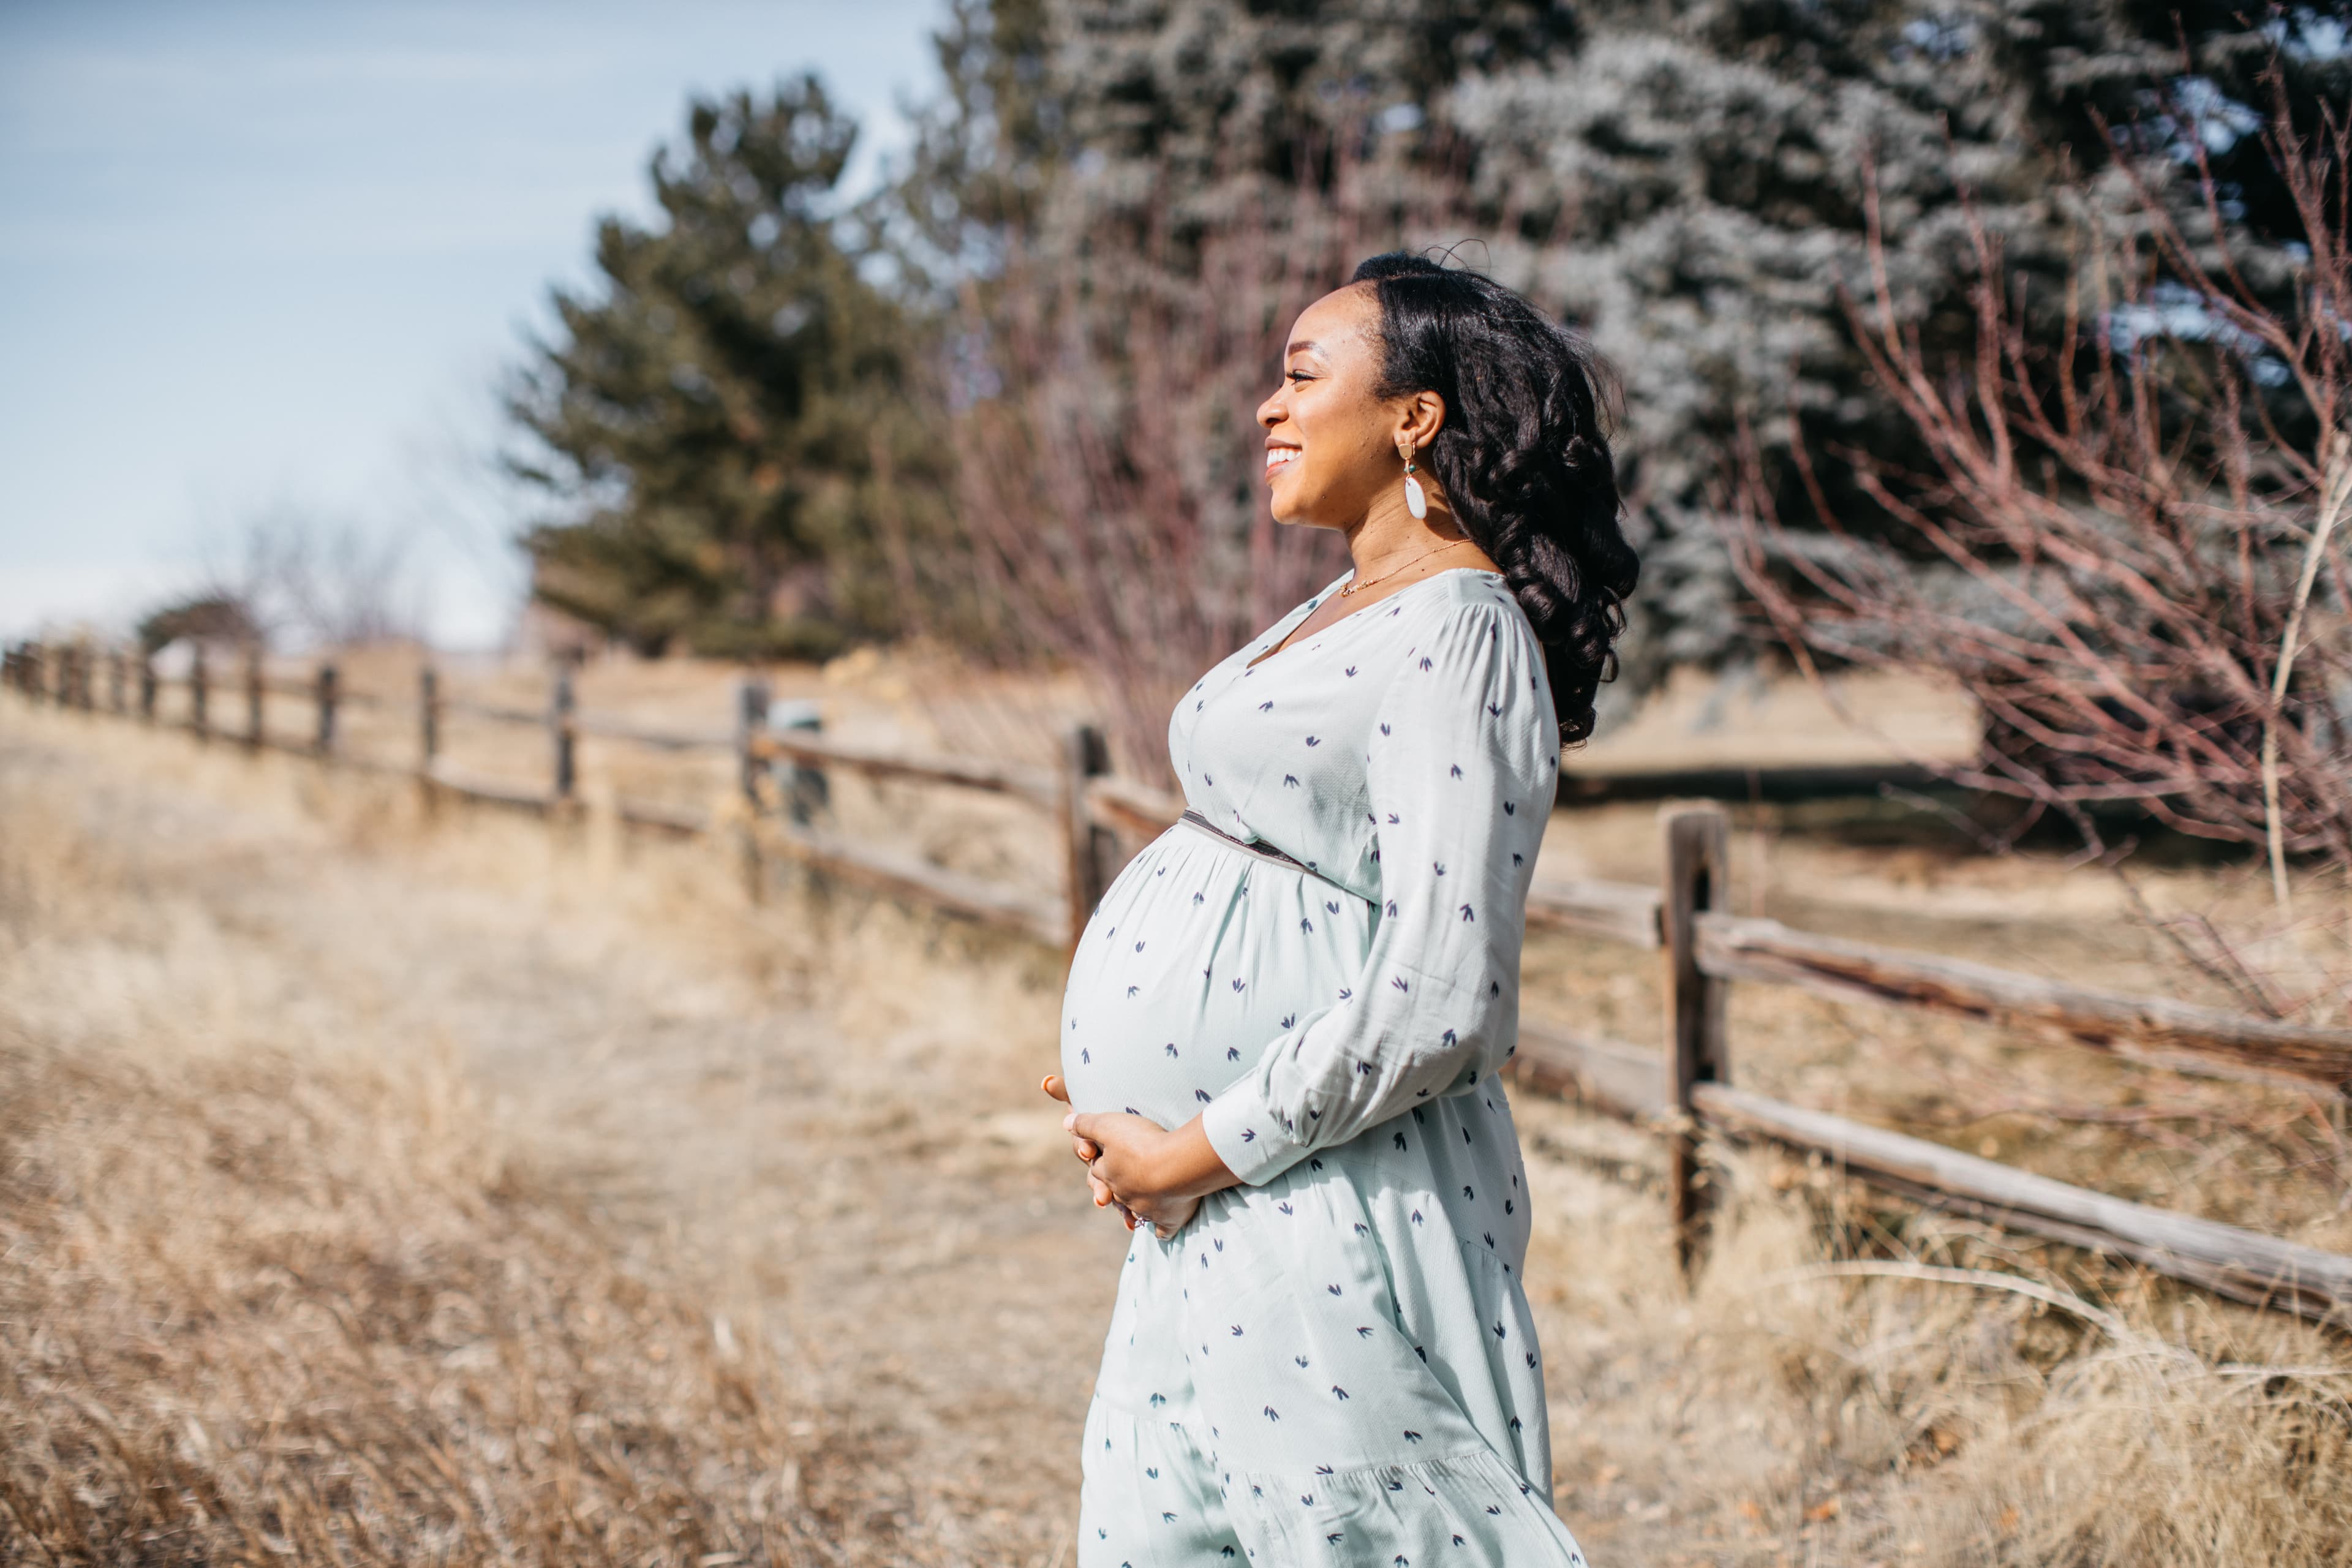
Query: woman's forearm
[1189,1164]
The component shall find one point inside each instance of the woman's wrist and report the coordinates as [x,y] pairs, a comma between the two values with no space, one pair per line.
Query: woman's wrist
[1188,1165]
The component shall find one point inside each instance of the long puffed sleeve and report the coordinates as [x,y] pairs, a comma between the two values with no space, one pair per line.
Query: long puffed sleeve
[1461,770]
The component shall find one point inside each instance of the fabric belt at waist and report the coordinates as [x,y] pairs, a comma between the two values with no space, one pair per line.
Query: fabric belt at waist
[1263,851]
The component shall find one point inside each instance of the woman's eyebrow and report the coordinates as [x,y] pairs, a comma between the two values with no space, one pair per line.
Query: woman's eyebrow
[1309,346]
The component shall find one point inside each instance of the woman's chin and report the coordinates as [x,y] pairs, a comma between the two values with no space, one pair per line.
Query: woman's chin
[1291,510]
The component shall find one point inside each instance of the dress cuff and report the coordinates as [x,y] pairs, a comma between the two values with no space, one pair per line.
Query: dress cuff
[1248,1137]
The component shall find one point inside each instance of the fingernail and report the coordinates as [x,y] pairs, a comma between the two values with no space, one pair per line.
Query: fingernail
[1070,1122]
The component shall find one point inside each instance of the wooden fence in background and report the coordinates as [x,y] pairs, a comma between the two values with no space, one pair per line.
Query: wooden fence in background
[1684,1090]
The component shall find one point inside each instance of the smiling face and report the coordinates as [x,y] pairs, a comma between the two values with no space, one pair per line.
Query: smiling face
[1330,441]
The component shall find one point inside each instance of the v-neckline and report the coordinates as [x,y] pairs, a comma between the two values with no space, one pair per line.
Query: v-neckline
[1282,644]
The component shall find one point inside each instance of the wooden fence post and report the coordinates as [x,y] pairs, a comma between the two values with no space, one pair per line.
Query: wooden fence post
[1697,867]
[428,735]
[329,688]
[146,686]
[254,698]
[118,681]
[750,724]
[561,733]
[807,790]
[199,695]
[1092,846]
[428,719]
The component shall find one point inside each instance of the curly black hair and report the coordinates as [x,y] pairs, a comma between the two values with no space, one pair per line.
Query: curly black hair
[1523,457]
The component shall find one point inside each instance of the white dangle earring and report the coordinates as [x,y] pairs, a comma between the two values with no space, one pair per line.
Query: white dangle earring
[1415,502]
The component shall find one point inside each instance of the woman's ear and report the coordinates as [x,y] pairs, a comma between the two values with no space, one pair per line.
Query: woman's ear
[1420,418]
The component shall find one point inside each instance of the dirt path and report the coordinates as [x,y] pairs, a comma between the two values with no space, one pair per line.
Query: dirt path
[788,1096]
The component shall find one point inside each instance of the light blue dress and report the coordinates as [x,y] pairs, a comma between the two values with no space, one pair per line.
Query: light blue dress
[1333,1363]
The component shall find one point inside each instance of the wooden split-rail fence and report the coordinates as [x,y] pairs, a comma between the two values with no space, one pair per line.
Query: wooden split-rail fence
[1685,1091]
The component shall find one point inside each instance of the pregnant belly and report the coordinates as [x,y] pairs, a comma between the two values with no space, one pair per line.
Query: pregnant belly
[1200,957]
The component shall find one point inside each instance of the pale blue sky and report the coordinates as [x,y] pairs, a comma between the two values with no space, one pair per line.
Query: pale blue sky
[261,256]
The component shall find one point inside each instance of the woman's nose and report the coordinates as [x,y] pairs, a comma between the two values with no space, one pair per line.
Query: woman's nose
[1271,412]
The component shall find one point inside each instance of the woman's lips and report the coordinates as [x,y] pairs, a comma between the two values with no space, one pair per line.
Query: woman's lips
[1279,457]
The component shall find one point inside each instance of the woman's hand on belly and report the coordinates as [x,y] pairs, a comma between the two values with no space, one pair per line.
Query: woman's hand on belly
[1153,1177]
[1087,1153]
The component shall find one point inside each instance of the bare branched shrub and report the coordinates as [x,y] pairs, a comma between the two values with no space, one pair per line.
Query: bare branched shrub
[2124,543]
[1108,467]
[309,579]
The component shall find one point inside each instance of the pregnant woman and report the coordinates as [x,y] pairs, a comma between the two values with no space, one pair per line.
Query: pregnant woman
[1285,1022]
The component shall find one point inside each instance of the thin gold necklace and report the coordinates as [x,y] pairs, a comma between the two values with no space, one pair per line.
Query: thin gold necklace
[1355,585]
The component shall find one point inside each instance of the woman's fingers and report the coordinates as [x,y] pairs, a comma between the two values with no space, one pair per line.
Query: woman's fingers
[1167,1219]
[1085,1149]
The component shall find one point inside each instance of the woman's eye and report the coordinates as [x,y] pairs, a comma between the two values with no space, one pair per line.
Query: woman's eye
[1295,375]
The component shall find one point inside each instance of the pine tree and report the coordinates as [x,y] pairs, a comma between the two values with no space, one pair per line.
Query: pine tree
[1692,179]
[1685,178]
[1182,104]
[722,425]
[986,150]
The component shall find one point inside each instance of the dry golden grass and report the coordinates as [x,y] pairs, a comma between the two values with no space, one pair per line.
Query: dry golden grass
[1781,1412]
[271,1296]
[519,1073]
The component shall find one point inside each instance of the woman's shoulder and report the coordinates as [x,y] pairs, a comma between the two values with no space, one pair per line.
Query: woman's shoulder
[1467,604]
[1470,661]
[1463,635]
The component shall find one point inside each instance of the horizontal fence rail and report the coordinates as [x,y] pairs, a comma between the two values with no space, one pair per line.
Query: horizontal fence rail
[2205,1041]
[1683,1091]
[1035,784]
[2244,1265]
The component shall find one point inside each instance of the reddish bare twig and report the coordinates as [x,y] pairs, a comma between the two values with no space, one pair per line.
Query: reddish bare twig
[2124,543]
